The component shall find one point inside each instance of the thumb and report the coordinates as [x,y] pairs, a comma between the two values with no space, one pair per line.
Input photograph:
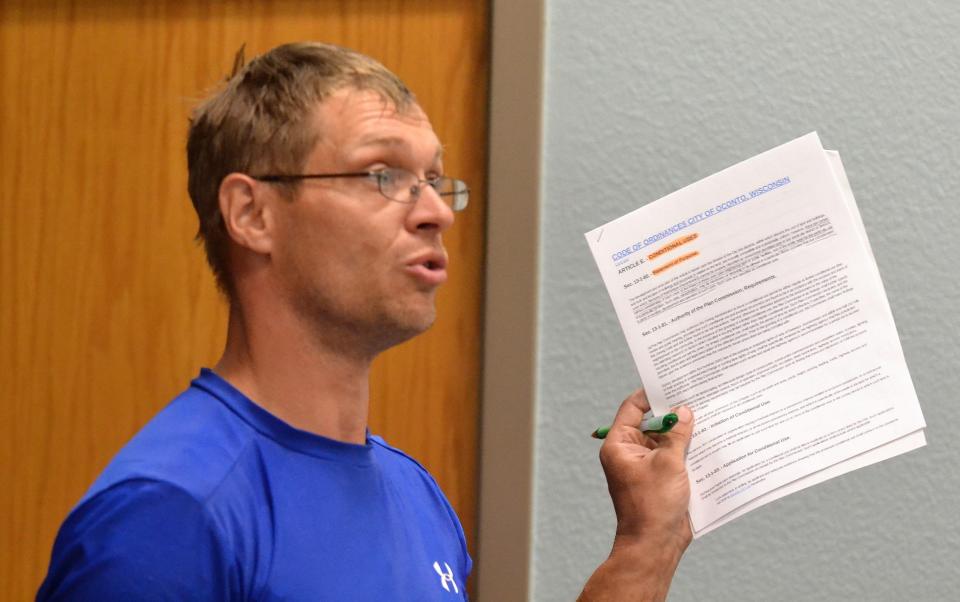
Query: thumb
[677,440]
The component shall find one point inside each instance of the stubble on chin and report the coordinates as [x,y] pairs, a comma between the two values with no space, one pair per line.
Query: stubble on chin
[364,329]
[404,323]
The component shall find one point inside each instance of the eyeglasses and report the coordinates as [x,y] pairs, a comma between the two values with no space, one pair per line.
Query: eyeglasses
[395,184]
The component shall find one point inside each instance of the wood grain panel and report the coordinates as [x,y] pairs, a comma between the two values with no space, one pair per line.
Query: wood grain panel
[106,305]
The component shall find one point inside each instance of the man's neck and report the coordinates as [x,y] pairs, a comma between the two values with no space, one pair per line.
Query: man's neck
[296,377]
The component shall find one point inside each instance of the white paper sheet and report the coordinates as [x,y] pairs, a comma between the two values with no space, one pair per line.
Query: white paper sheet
[752,296]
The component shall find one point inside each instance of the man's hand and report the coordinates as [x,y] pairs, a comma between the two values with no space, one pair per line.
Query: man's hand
[647,477]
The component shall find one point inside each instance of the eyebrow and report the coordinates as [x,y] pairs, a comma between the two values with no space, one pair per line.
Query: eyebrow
[395,141]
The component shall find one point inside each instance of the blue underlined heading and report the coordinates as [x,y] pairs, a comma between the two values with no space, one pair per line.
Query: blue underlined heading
[621,255]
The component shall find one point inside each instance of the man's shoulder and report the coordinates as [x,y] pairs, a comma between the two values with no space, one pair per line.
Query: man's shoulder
[398,459]
[177,508]
[139,539]
[411,475]
[416,483]
[192,444]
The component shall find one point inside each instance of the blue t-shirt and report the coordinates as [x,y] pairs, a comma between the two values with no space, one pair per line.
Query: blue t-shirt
[217,499]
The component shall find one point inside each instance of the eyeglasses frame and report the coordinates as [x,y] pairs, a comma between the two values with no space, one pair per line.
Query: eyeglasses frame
[377,175]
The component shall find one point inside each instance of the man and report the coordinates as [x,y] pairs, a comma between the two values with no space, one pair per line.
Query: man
[322,200]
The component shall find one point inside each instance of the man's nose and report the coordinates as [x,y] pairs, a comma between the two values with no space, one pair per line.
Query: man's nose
[430,211]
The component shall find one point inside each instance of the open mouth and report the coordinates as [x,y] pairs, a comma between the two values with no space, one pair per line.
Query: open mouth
[431,269]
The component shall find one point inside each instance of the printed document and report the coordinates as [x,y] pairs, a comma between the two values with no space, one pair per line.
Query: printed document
[752,297]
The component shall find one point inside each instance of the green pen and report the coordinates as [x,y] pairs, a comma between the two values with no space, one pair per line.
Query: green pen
[659,424]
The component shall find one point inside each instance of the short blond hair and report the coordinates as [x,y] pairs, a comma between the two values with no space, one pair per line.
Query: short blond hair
[259,121]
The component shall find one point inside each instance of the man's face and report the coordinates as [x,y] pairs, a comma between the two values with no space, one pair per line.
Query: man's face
[354,263]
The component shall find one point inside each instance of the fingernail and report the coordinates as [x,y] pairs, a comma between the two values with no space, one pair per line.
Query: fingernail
[684,414]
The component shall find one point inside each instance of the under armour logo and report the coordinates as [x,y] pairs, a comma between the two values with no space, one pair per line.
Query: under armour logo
[446,577]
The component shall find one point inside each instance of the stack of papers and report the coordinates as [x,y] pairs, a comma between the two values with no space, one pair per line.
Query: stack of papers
[752,296]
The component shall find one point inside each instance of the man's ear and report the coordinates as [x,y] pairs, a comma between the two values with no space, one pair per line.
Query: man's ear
[247,213]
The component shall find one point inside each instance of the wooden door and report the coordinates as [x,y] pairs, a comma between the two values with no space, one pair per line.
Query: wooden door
[107,309]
